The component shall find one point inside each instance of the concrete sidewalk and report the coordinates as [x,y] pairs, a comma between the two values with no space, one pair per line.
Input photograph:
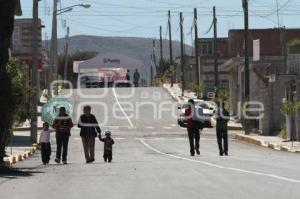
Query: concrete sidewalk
[272,142]
[19,148]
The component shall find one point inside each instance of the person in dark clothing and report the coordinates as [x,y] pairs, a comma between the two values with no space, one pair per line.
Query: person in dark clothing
[62,124]
[89,128]
[108,143]
[127,75]
[222,129]
[193,131]
[136,78]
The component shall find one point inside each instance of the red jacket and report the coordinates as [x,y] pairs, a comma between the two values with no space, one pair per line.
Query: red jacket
[188,117]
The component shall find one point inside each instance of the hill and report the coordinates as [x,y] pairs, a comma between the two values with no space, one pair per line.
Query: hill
[138,48]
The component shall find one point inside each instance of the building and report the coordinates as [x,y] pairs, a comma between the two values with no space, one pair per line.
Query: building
[268,75]
[21,46]
[207,71]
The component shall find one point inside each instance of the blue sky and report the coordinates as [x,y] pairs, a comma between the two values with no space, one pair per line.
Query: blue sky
[142,18]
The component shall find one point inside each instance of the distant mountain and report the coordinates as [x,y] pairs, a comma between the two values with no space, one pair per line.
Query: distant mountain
[138,48]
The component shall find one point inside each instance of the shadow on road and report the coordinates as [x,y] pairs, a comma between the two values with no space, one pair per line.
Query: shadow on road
[12,173]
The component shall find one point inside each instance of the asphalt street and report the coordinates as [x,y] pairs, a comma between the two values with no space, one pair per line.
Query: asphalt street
[151,158]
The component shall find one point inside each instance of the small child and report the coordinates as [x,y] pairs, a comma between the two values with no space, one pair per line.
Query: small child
[44,142]
[108,142]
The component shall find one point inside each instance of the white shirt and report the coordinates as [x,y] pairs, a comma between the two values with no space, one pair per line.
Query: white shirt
[45,136]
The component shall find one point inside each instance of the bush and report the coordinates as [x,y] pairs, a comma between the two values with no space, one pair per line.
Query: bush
[18,75]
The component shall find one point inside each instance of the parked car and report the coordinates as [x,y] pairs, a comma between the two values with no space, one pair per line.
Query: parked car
[203,109]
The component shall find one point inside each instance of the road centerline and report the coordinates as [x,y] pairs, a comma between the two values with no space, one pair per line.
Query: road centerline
[117,100]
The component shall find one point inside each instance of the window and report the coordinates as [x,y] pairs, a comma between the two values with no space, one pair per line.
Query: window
[206,48]
[16,38]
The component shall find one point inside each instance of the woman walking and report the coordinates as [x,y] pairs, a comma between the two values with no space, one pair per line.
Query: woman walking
[88,131]
[62,124]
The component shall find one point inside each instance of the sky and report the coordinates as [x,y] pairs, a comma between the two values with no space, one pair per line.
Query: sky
[142,18]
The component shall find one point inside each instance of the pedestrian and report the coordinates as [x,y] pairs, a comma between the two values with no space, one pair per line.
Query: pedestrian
[193,130]
[136,78]
[127,75]
[108,143]
[89,128]
[44,142]
[62,124]
[222,129]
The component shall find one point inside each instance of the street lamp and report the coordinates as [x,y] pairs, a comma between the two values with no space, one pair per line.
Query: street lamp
[53,49]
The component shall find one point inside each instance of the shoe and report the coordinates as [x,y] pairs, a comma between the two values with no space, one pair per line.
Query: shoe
[192,154]
[198,152]
[92,160]
[221,153]
[64,162]
[44,163]
[226,153]
[57,160]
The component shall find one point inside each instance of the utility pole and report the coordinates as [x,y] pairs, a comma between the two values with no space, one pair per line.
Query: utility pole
[66,54]
[246,32]
[182,55]
[196,47]
[34,72]
[53,48]
[216,52]
[161,50]
[171,48]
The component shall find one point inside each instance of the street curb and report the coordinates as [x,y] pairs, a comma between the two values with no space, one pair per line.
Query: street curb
[10,161]
[270,145]
[173,96]
[249,139]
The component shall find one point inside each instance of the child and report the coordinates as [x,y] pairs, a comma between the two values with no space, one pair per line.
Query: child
[108,142]
[44,142]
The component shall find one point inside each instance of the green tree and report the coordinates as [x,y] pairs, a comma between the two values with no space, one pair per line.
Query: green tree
[294,46]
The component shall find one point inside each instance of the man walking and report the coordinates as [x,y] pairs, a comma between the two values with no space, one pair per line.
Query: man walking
[222,129]
[193,131]
[136,78]
[88,126]
[62,124]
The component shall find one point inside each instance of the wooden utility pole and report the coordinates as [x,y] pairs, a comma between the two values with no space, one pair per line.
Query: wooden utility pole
[246,32]
[182,55]
[53,48]
[66,54]
[34,72]
[197,48]
[161,44]
[216,51]
[171,49]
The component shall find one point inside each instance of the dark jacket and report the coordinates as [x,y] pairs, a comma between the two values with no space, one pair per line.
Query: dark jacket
[63,125]
[88,126]
[108,142]
[222,119]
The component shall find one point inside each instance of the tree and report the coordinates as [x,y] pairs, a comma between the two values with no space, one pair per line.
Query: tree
[294,46]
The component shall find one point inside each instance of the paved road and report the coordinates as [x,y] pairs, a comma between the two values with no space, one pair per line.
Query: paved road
[151,160]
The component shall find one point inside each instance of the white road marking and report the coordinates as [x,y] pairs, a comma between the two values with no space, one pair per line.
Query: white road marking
[119,138]
[222,167]
[167,127]
[149,127]
[173,125]
[117,100]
